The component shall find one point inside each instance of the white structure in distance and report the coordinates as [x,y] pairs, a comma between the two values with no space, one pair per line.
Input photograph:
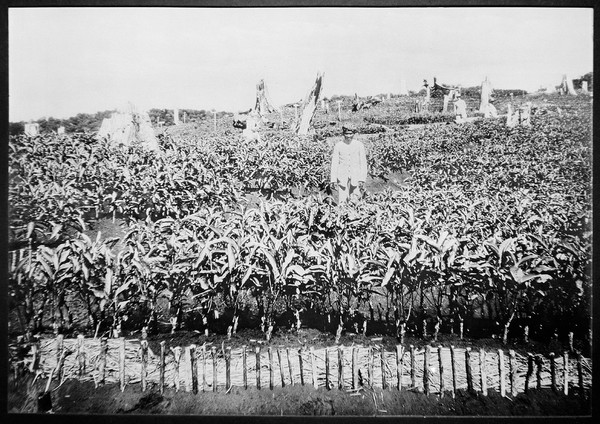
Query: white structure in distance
[32,129]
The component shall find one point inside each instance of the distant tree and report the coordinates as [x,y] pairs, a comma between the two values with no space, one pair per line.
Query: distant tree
[166,115]
[98,118]
[49,125]
[496,93]
[194,115]
[16,128]
[589,77]
[506,93]
[160,115]
[83,122]
[155,115]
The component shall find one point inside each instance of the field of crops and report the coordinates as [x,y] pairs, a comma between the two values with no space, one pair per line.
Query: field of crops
[490,231]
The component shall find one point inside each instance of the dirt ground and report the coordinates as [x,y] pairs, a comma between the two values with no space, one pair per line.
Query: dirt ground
[74,397]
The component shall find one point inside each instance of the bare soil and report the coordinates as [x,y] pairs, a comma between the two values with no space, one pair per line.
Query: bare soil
[73,397]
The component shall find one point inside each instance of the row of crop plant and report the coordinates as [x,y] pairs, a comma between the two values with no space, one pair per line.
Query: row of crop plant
[306,258]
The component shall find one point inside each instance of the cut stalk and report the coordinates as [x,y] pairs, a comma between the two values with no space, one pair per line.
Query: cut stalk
[327,382]
[144,354]
[257,352]
[102,358]
[529,371]
[312,367]
[177,358]
[413,368]
[482,372]
[453,361]
[204,385]
[161,368]
[194,367]
[553,371]
[287,351]
[80,355]
[213,352]
[512,372]
[122,363]
[399,365]
[354,368]
[501,373]
[280,367]
[566,373]
[340,368]
[244,367]
[227,369]
[538,371]
[441,365]
[383,366]
[271,372]
[469,370]
[301,365]
[426,369]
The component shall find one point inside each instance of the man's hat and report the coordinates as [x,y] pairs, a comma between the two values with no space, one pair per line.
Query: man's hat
[348,129]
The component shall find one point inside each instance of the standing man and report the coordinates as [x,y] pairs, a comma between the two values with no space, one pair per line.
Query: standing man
[348,166]
[460,109]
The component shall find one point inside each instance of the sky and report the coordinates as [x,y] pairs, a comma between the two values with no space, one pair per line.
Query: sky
[64,61]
